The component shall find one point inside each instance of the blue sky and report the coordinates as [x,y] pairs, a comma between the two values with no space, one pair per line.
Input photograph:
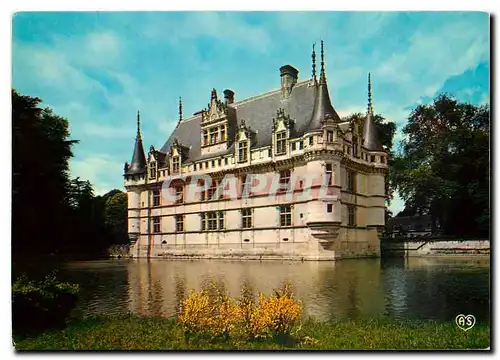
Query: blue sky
[98,69]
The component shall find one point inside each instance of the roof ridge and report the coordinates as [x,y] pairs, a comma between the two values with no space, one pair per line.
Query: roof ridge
[251,98]
[270,92]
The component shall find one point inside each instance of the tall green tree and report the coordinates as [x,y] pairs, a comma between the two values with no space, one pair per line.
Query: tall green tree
[115,217]
[443,169]
[40,180]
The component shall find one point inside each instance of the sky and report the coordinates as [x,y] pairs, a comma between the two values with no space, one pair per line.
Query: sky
[98,68]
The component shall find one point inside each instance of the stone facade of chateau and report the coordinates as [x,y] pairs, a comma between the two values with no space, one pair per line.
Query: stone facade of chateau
[284,134]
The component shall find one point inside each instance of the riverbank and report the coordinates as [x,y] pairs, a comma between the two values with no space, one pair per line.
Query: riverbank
[132,332]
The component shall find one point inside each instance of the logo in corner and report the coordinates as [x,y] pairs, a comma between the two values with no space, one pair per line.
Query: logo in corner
[465,322]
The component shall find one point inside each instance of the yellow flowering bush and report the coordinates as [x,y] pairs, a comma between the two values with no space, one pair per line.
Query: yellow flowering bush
[209,313]
[276,315]
[212,314]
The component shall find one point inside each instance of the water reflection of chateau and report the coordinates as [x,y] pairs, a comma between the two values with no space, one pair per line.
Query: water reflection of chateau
[328,290]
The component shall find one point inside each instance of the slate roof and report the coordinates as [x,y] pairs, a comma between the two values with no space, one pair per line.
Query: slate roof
[258,113]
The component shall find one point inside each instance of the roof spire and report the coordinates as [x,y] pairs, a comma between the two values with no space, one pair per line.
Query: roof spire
[370,107]
[314,64]
[180,109]
[138,125]
[138,164]
[322,77]
[371,140]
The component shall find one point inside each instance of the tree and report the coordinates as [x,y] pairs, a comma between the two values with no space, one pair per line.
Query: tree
[443,169]
[41,151]
[115,216]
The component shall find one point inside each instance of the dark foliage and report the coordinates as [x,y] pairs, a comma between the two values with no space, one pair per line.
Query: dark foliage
[443,169]
[51,213]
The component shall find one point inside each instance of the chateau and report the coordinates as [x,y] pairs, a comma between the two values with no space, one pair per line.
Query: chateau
[286,134]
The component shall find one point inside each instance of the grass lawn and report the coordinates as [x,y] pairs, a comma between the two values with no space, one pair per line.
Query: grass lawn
[154,333]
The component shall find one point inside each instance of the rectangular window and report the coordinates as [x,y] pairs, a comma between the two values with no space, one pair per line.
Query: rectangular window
[281,143]
[351,181]
[223,133]
[156,224]
[211,191]
[213,163]
[246,218]
[246,183]
[372,158]
[203,218]
[311,141]
[301,145]
[329,173]
[152,170]
[212,221]
[329,136]
[285,215]
[175,164]
[269,153]
[351,215]
[220,217]
[294,146]
[213,136]
[179,223]
[242,151]
[203,193]
[329,208]
[205,137]
[284,179]
[226,161]
[179,194]
[156,197]
[220,162]
[355,146]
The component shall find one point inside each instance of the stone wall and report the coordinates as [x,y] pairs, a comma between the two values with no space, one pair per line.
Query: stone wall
[435,247]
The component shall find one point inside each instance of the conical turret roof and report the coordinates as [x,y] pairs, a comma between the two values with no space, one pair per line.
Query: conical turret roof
[138,165]
[322,105]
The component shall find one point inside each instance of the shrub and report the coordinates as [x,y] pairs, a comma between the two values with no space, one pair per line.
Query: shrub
[37,305]
[211,314]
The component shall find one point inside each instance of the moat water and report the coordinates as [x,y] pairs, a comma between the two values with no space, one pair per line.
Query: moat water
[437,288]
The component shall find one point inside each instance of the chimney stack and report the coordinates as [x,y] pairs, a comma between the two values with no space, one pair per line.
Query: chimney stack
[289,76]
[229,96]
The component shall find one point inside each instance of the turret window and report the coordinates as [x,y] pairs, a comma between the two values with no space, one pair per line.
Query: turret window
[351,182]
[311,141]
[242,151]
[301,145]
[329,136]
[351,215]
[329,173]
[281,143]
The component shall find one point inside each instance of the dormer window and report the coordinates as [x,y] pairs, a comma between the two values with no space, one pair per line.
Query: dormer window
[175,165]
[205,137]
[152,170]
[223,133]
[281,143]
[355,146]
[242,151]
[329,136]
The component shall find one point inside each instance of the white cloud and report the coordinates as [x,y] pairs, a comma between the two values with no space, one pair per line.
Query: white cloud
[100,170]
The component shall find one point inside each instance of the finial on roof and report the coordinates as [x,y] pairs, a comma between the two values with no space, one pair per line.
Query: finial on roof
[314,63]
[180,109]
[322,76]
[214,94]
[138,124]
[370,107]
